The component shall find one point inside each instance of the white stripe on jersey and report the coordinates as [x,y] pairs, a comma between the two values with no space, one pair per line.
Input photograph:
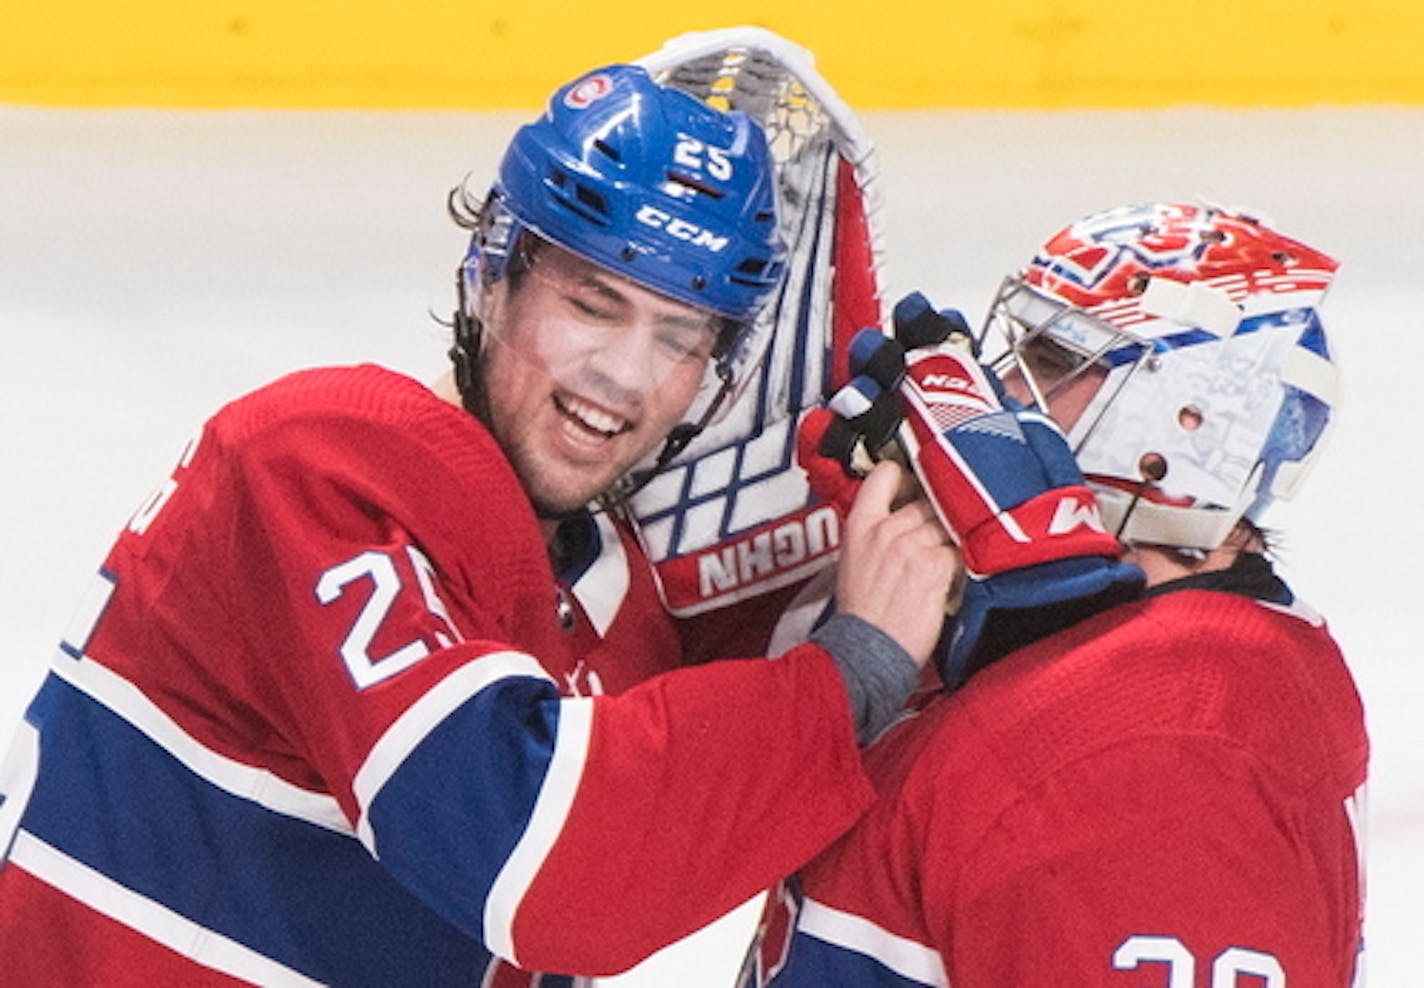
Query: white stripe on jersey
[551,809]
[258,785]
[602,589]
[19,770]
[903,956]
[423,716]
[1297,608]
[155,921]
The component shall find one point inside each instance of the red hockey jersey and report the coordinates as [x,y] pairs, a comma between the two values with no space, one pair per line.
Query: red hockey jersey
[320,723]
[1165,794]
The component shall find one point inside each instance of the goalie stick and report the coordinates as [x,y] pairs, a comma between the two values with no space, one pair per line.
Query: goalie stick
[732,516]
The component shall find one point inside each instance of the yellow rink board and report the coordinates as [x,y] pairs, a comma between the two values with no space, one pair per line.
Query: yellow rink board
[887,54]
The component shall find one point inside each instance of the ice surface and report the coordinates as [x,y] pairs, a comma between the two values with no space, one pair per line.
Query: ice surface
[155,264]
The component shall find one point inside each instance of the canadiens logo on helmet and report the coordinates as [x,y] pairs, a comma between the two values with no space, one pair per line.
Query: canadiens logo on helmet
[588,91]
[1154,237]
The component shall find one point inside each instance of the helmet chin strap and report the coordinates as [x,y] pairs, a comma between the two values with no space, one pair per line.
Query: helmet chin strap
[677,440]
[1190,554]
[464,354]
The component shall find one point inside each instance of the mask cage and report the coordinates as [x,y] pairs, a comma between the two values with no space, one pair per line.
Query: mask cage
[1031,333]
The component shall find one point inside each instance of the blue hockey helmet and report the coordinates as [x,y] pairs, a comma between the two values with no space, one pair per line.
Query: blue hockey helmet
[648,182]
[654,185]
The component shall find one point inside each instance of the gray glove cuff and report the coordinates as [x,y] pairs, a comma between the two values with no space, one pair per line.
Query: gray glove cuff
[879,675]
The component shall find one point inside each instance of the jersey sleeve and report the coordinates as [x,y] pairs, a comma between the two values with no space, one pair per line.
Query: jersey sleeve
[390,624]
[701,786]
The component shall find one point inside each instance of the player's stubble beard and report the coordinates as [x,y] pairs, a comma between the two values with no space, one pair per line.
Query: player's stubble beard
[556,487]
[547,406]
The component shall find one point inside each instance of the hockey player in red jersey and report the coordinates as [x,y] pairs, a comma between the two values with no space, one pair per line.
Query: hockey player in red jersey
[1158,791]
[367,695]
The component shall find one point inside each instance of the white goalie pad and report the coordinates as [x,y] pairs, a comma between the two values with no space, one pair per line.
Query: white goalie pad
[732,517]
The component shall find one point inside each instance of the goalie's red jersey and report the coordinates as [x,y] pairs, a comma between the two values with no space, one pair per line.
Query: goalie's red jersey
[1164,794]
[319,723]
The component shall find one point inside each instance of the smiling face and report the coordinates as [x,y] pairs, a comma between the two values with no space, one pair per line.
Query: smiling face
[585,373]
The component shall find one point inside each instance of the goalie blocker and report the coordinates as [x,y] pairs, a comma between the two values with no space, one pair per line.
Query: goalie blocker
[733,517]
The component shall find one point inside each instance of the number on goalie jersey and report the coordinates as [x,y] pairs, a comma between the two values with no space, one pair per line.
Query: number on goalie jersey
[306,738]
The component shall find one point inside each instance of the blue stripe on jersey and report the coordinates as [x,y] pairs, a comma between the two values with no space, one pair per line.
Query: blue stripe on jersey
[309,898]
[815,963]
[423,817]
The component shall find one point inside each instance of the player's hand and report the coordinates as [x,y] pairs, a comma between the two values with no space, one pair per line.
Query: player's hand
[1005,483]
[896,564]
[1001,479]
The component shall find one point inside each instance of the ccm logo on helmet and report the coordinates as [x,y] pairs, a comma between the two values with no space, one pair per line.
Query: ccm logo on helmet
[681,229]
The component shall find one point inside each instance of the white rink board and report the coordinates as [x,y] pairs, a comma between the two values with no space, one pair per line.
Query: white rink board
[156,264]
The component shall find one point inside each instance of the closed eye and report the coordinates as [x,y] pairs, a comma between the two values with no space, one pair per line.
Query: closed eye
[686,343]
[593,302]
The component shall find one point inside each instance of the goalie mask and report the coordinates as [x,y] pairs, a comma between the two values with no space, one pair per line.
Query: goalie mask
[1214,380]
[652,185]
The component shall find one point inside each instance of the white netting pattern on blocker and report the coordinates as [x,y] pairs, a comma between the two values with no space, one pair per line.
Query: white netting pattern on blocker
[758,84]
[800,122]
[740,473]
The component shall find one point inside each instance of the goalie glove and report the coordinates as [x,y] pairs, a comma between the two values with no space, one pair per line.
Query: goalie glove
[1001,478]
